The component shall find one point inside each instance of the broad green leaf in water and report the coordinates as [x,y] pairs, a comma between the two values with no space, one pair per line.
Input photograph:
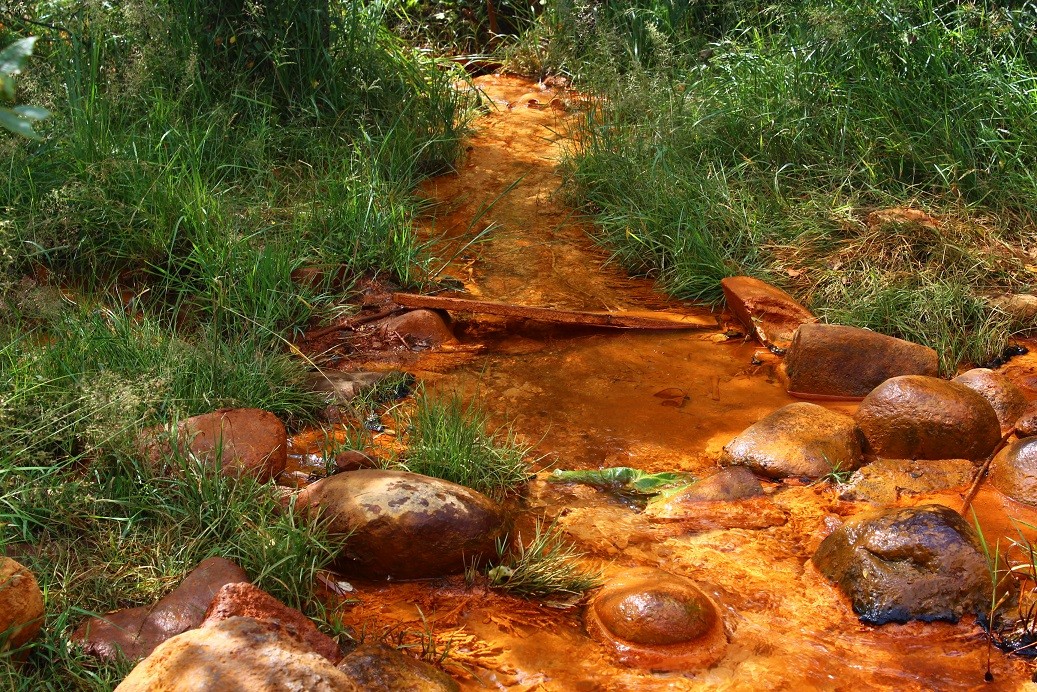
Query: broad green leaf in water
[625,478]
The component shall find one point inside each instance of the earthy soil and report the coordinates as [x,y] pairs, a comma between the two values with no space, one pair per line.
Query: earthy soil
[590,398]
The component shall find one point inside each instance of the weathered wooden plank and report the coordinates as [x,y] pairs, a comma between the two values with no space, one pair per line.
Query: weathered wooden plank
[632,319]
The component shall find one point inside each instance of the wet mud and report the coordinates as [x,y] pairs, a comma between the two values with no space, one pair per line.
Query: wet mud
[591,398]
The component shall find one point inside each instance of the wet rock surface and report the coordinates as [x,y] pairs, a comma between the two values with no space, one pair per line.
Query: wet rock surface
[799,440]
[135,632]
[343,387]
[376,667]
[1014,470]
[404,525]
[886,481]
[829,360]
[1021,306]
[914,417]
[246,600]
[657,620]
[21,605]
[1006,399]
[769,313]
[237,654]
[915,563]
[726,485]
[418,328]
[1026,424]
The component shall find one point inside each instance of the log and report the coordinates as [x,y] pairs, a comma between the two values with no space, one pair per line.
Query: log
[627,319]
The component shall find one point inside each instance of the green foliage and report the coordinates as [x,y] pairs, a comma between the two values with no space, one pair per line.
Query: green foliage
[546,567]
[20,118]
[625,479]
[450,441]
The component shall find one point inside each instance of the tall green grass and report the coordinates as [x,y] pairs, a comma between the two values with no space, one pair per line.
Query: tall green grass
[766,152]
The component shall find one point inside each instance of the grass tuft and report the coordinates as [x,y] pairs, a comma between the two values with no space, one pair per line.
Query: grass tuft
[546,566]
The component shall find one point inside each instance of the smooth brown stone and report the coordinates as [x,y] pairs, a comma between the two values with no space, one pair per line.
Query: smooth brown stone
[768,312]
[418,328]
[1006,399]
[377,667]
[1014,470]
[21,605]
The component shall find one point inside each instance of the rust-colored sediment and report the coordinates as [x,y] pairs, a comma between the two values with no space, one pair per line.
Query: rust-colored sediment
[586,398]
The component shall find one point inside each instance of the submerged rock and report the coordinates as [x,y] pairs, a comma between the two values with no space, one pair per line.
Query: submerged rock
[798,440]
[404,525]
[915,417]
[237,654]
[135,632]
[830,360]
[656,620]
[1026,424]
[1014,470]
[915,563]
[343,387]
[769,313]
[418,328]
[247,600]
[887,480]
[726,485]
[376,667]
[21,605]
[1006,399]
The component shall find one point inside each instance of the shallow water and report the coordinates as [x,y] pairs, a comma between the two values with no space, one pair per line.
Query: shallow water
[590,398]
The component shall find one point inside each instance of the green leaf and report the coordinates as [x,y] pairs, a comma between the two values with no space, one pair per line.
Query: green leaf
[16,123]
[625,478]
[11,59]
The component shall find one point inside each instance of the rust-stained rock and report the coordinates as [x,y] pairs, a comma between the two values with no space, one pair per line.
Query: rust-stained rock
[915,563]
[902,216]
[1014,470]
[247,600]
[1026,424]
[1021,306]
[236,655]
[690,515]
[251,442]
[801,440]
[885,481]
[830,360]
[656,620]
[1007,399]
[404,525]
[769,313]
[726,485]
[915,417]
[418,328]
[377,667]
[343,387]
[135,632]
[21,605]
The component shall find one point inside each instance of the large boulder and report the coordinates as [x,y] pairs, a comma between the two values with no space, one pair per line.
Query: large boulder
[1007,400]
[237,654]
[247,600]
[916,417]
[1014,470]
[377,667]
[830,360]
[402,525]
[798,440]
[657,620]
[249,442]
[21,605]
[915,563]
[770,314]
[135,632]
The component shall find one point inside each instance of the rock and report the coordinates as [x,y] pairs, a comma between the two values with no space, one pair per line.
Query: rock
[135,632]
[1020,306]
[246,600]
[376,667]
[236,654]
[404,525]
[769,313]
[252,442]
[886,480]
[829,360]
[21,605]
[1026,424]
[656,620]
[1014,470]
[798,440]
[916,417]
[901,216]
[343,387]
[422,328]
[354,460]
[1006,399]
[729,484]
[914,563]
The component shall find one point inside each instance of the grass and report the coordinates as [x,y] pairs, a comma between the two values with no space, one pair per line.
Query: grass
[545,567]
[450,441]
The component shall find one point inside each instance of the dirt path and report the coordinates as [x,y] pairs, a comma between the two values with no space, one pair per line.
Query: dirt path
[655,401]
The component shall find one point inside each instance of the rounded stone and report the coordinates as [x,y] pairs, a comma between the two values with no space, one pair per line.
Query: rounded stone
[798,440]
[1014,470]
[21,605]
[917,417]
[913,563]
[727,485]
[1007,400]
[419,328]
[656,620]
[1026,425]
[402,525]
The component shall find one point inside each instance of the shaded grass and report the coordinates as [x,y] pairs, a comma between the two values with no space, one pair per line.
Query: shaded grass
[545,567]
